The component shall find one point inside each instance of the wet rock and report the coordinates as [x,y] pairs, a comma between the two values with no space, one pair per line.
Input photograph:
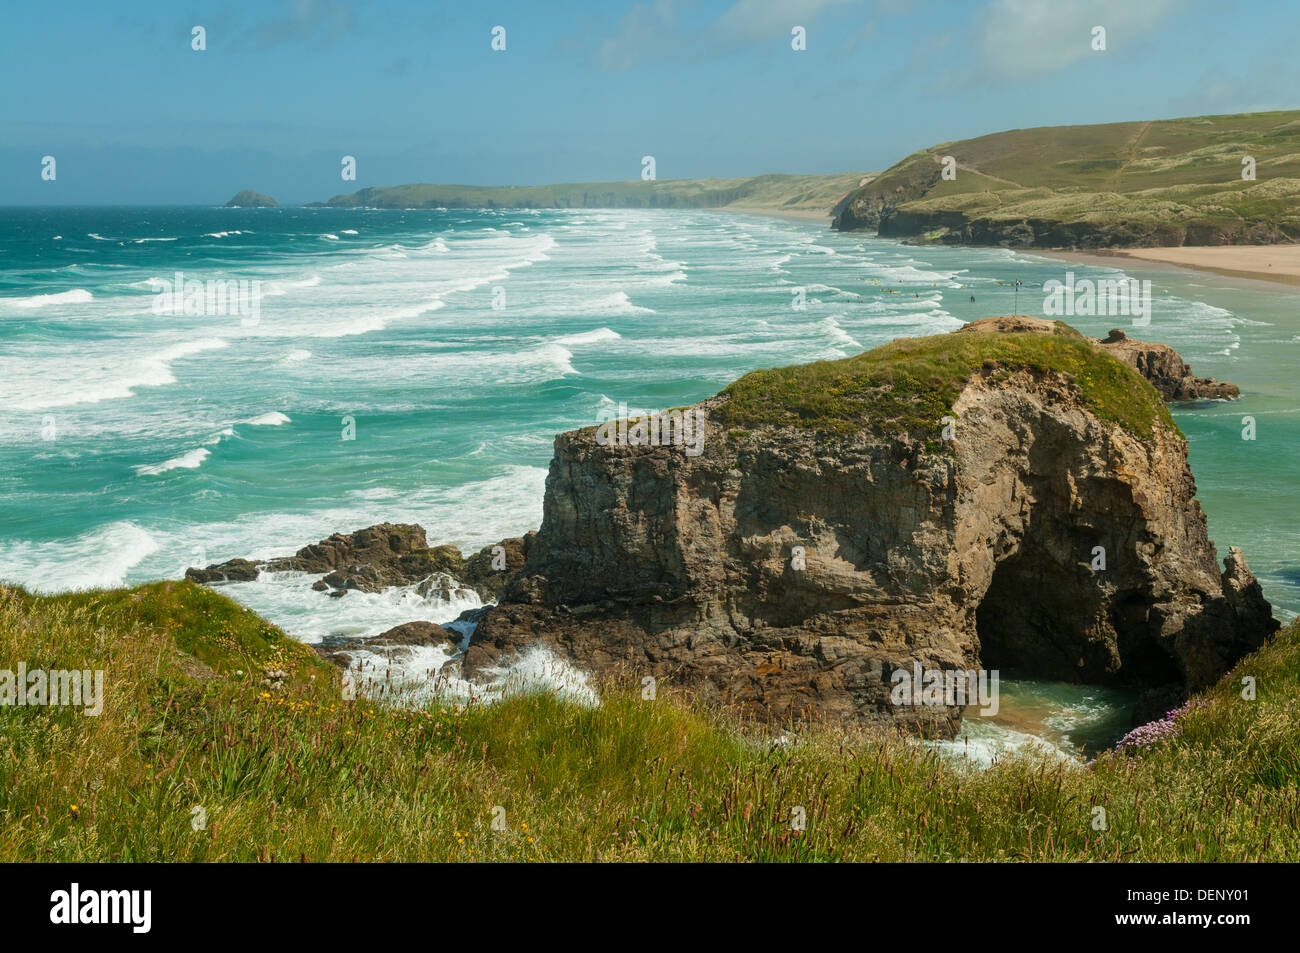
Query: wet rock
[233,570]
[395,644]
[387,555]
[372,559]
[440,585]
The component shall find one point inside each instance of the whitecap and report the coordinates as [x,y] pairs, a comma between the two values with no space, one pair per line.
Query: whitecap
[190,460]
[271,419]
[75,296]
[598,336]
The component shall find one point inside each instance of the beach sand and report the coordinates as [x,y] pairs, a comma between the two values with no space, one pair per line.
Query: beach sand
[803,215]
[1274,263]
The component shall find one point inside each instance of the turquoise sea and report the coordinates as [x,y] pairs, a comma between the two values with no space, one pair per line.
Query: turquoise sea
[452,345]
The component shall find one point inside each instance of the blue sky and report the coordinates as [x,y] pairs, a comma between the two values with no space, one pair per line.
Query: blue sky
[584,89]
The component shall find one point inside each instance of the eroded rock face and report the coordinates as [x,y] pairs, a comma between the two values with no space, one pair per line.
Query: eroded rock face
[1166,370]
[790,571]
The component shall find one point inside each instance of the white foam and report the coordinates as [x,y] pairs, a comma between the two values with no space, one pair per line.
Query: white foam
[982,742]
[190,460]
[272,419]
[96,559]
[75,296]
[417,676]
[63,381]
[278,288]
[582,338]
[612,303]
[841,337]
[287,598]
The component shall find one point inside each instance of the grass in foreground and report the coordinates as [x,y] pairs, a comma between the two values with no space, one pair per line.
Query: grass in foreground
[298,773]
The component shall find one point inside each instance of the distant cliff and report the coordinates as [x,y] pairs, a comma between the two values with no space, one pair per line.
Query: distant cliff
[1169,182]
[250,199]
[809,194]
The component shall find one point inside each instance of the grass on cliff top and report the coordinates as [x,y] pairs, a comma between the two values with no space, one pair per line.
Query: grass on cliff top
[909,385]
[298,773]
[1167,173]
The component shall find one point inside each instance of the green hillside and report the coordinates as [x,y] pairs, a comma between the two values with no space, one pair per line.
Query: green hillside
[1168,182]
[804,194]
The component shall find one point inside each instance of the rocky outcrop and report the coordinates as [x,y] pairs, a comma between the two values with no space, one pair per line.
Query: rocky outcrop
[372,559]
[394,644]
[234,570]
[386,555]
[836,529]
[1166,370]
[250,199]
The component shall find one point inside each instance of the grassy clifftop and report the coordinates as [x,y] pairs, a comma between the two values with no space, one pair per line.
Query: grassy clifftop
[1167,182]
[195,758]
[812,194]
[909,384]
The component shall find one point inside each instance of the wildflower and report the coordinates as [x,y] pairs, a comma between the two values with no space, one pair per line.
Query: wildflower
[1145,736]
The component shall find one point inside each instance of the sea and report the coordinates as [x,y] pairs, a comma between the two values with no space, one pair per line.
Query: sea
[181,386]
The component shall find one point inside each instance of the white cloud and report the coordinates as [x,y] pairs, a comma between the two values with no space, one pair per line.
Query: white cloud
[646,32]
[1022,38]
[757,20]
[655,30]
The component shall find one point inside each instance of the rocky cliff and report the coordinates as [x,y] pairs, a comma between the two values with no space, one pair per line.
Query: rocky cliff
[1017,499]
[1011,496]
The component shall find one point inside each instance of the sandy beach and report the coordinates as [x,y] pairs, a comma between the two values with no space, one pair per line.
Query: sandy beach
[1274,263]
[802,215]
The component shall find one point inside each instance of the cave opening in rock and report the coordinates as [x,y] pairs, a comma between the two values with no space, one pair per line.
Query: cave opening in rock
[1044,617]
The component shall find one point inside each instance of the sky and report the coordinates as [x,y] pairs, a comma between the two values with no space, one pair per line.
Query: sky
[414,91]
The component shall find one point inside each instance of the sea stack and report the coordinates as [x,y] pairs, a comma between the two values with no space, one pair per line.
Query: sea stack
[1012,496]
